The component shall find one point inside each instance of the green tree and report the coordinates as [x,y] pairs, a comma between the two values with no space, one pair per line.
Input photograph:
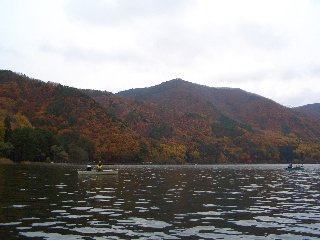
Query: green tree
[31,144]
[77,154]
[58,154]
[24,144]
[43,140]
[87,145]
[7,129]
[2,131]
[68,137]
[161,130]
[6,148]
[287,153]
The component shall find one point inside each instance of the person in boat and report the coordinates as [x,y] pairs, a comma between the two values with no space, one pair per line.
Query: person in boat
[290,165]
[89,168]
[99,167]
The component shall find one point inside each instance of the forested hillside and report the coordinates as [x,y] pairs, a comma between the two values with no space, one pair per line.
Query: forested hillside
[217,124]
[312,110]
[81,130]
[247,108]
[175,122]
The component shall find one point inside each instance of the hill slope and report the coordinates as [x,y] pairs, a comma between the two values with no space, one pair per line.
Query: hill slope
[312,110]
[174,122]
[68,113]
[253,110]
[218,123]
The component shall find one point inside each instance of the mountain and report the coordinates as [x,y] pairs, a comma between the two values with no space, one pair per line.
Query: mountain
[174,122]
[68,113]
[312,110]
[250,109]
[219,123]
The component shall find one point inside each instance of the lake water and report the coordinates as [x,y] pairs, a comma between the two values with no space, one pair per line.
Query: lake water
[160,202]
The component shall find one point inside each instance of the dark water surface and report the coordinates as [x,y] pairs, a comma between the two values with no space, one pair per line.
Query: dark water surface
[160,202]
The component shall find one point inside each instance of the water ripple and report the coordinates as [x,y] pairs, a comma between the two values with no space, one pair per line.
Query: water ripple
[161,202]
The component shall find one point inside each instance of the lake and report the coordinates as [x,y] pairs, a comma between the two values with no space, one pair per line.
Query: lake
[160,202]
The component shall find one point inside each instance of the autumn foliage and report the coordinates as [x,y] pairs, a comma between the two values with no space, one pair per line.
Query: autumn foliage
[173,123]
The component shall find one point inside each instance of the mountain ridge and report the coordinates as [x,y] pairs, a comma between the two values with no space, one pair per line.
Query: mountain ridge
[173,122]
[312,110]
[235,103]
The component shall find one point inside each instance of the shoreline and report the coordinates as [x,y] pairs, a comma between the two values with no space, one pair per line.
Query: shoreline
[5,161]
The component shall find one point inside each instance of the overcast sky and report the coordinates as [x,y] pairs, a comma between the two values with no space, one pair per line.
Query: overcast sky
[268,47]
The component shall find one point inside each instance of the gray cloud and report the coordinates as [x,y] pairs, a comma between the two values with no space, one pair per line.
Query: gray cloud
[10,51]
[190,45]
[260,36]
[306,95]
[109,12]
[91,55]
[284,74]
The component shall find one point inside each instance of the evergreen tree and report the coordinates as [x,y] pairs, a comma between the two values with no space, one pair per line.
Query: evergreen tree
[8,130]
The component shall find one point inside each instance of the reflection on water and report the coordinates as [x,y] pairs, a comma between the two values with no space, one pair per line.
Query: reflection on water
[160,202]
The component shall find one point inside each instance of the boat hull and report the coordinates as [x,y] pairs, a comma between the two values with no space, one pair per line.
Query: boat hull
[295,169]
[104,172]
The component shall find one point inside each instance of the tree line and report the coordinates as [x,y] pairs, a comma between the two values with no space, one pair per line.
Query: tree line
[27,143]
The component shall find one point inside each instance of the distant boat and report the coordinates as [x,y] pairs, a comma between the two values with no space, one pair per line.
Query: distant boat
[93,172]
[296,168]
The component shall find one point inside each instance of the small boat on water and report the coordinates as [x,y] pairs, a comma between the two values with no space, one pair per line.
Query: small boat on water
[296,168]
[104,172]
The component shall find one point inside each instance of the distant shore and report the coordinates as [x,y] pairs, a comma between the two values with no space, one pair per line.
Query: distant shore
[6,161]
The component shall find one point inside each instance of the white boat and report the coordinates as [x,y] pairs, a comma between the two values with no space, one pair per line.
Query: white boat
[94,172]
[296,168]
